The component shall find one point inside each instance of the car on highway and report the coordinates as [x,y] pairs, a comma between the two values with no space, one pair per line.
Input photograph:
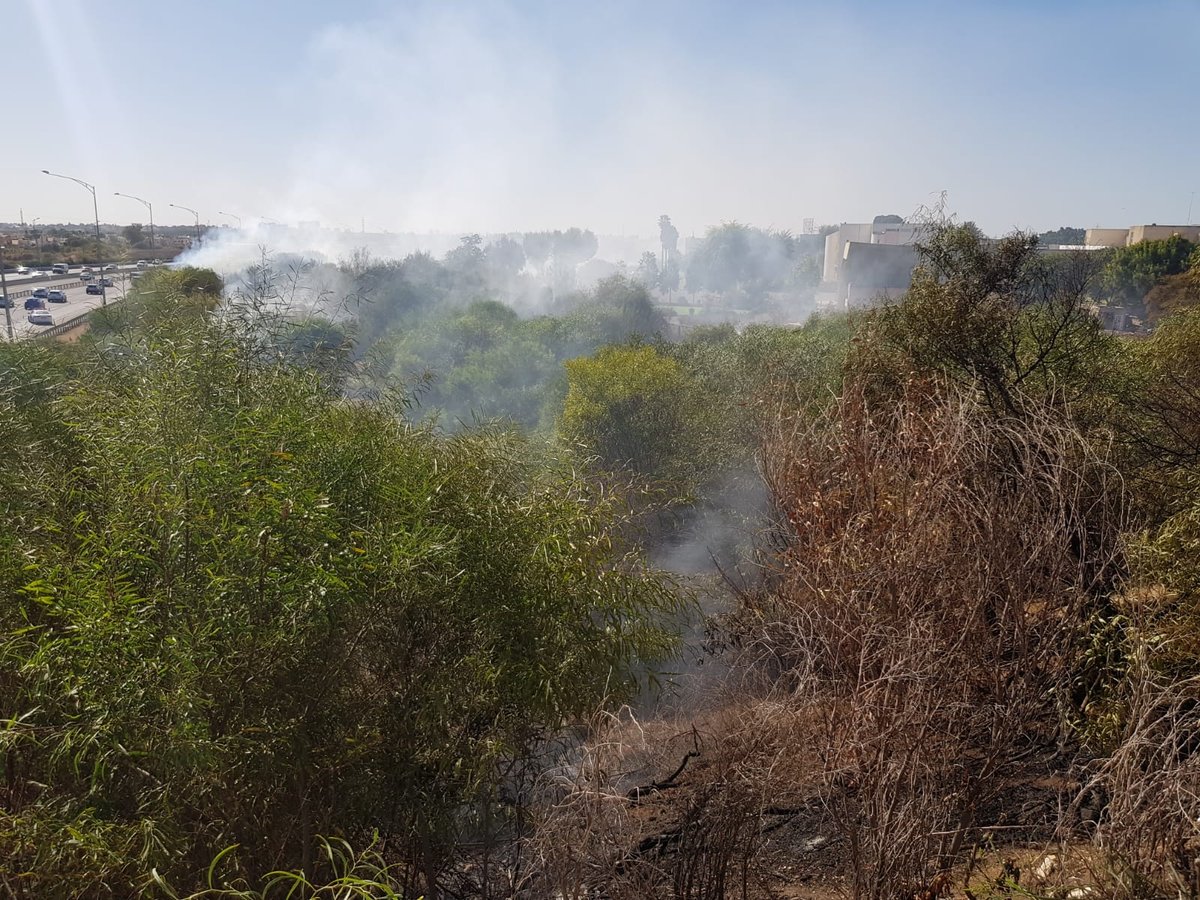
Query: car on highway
[22,270]
[111,267]
[106,282]
[93,289]
[5,301]
[40,317]
[143,263]
[60,268]
[57,296]
[86,276]
[35,303]
[41,293]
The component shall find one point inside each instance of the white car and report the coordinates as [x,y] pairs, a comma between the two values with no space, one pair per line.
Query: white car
[40,317]
[22,270]
[111,267]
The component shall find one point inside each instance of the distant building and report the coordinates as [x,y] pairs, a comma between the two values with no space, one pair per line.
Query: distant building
[835,248]
[1106,237]
[1135,234]
[872,272]
[1139,233]
[865,262]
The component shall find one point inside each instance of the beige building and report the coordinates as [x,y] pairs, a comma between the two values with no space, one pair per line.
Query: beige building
[1106,237]
[889,233]
[871,273]
[1139,233]
[1127,237]
[835,248]
[865,262]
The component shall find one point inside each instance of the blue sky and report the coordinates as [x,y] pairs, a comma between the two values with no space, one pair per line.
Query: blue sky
[488,116]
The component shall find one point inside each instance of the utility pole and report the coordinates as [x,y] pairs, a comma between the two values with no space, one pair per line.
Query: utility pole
[194,213]
[96,212]
[145,203]
[4,294]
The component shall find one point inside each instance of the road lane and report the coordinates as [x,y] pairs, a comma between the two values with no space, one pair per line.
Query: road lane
[79,302]
[21,281]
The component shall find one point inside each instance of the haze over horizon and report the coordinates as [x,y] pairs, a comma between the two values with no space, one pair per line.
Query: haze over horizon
[513,116]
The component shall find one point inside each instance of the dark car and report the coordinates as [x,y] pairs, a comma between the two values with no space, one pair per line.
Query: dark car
[5,301]
[41,293]
[57,297]
[35,303]
[93,289]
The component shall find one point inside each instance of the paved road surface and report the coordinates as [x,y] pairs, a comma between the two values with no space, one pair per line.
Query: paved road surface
[78,303]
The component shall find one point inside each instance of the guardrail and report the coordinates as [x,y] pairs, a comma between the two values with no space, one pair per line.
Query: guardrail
[66,285]
[63,327]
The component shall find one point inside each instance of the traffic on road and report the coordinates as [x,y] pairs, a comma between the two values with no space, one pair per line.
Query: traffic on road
[64,301]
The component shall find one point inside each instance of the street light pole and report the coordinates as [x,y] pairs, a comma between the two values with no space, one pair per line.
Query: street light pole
[232,216]
[194,213]
[4,295]
[145,203]
[99,244]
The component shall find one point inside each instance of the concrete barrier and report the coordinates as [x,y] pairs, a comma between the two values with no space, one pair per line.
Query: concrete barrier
[62,328]
[25,292]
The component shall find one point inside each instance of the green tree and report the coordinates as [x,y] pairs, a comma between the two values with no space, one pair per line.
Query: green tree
[996,315]
[505,259]
[538,247]
[647,270]
[668,239]
[1064,235]
[236,609]
[465,265]
[633,407]
[572,248]
[134,234]
[1132,271]
[736,257]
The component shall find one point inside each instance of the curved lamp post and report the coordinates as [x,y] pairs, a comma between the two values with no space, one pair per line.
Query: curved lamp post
[145,203]
[96,212]
[194,213]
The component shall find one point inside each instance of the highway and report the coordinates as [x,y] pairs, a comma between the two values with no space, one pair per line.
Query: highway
[78,301]
[16,282]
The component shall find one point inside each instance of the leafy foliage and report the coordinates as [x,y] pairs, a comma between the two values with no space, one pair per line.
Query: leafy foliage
[632,406]
[995,315]
[1065,235]
[238,610]
[1133,271]
[486,361]
[736,257]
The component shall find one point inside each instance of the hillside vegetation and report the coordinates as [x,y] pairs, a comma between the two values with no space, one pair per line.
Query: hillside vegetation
[355,597]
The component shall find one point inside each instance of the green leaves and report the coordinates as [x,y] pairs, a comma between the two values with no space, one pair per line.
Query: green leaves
[246,611]
[1133,271]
